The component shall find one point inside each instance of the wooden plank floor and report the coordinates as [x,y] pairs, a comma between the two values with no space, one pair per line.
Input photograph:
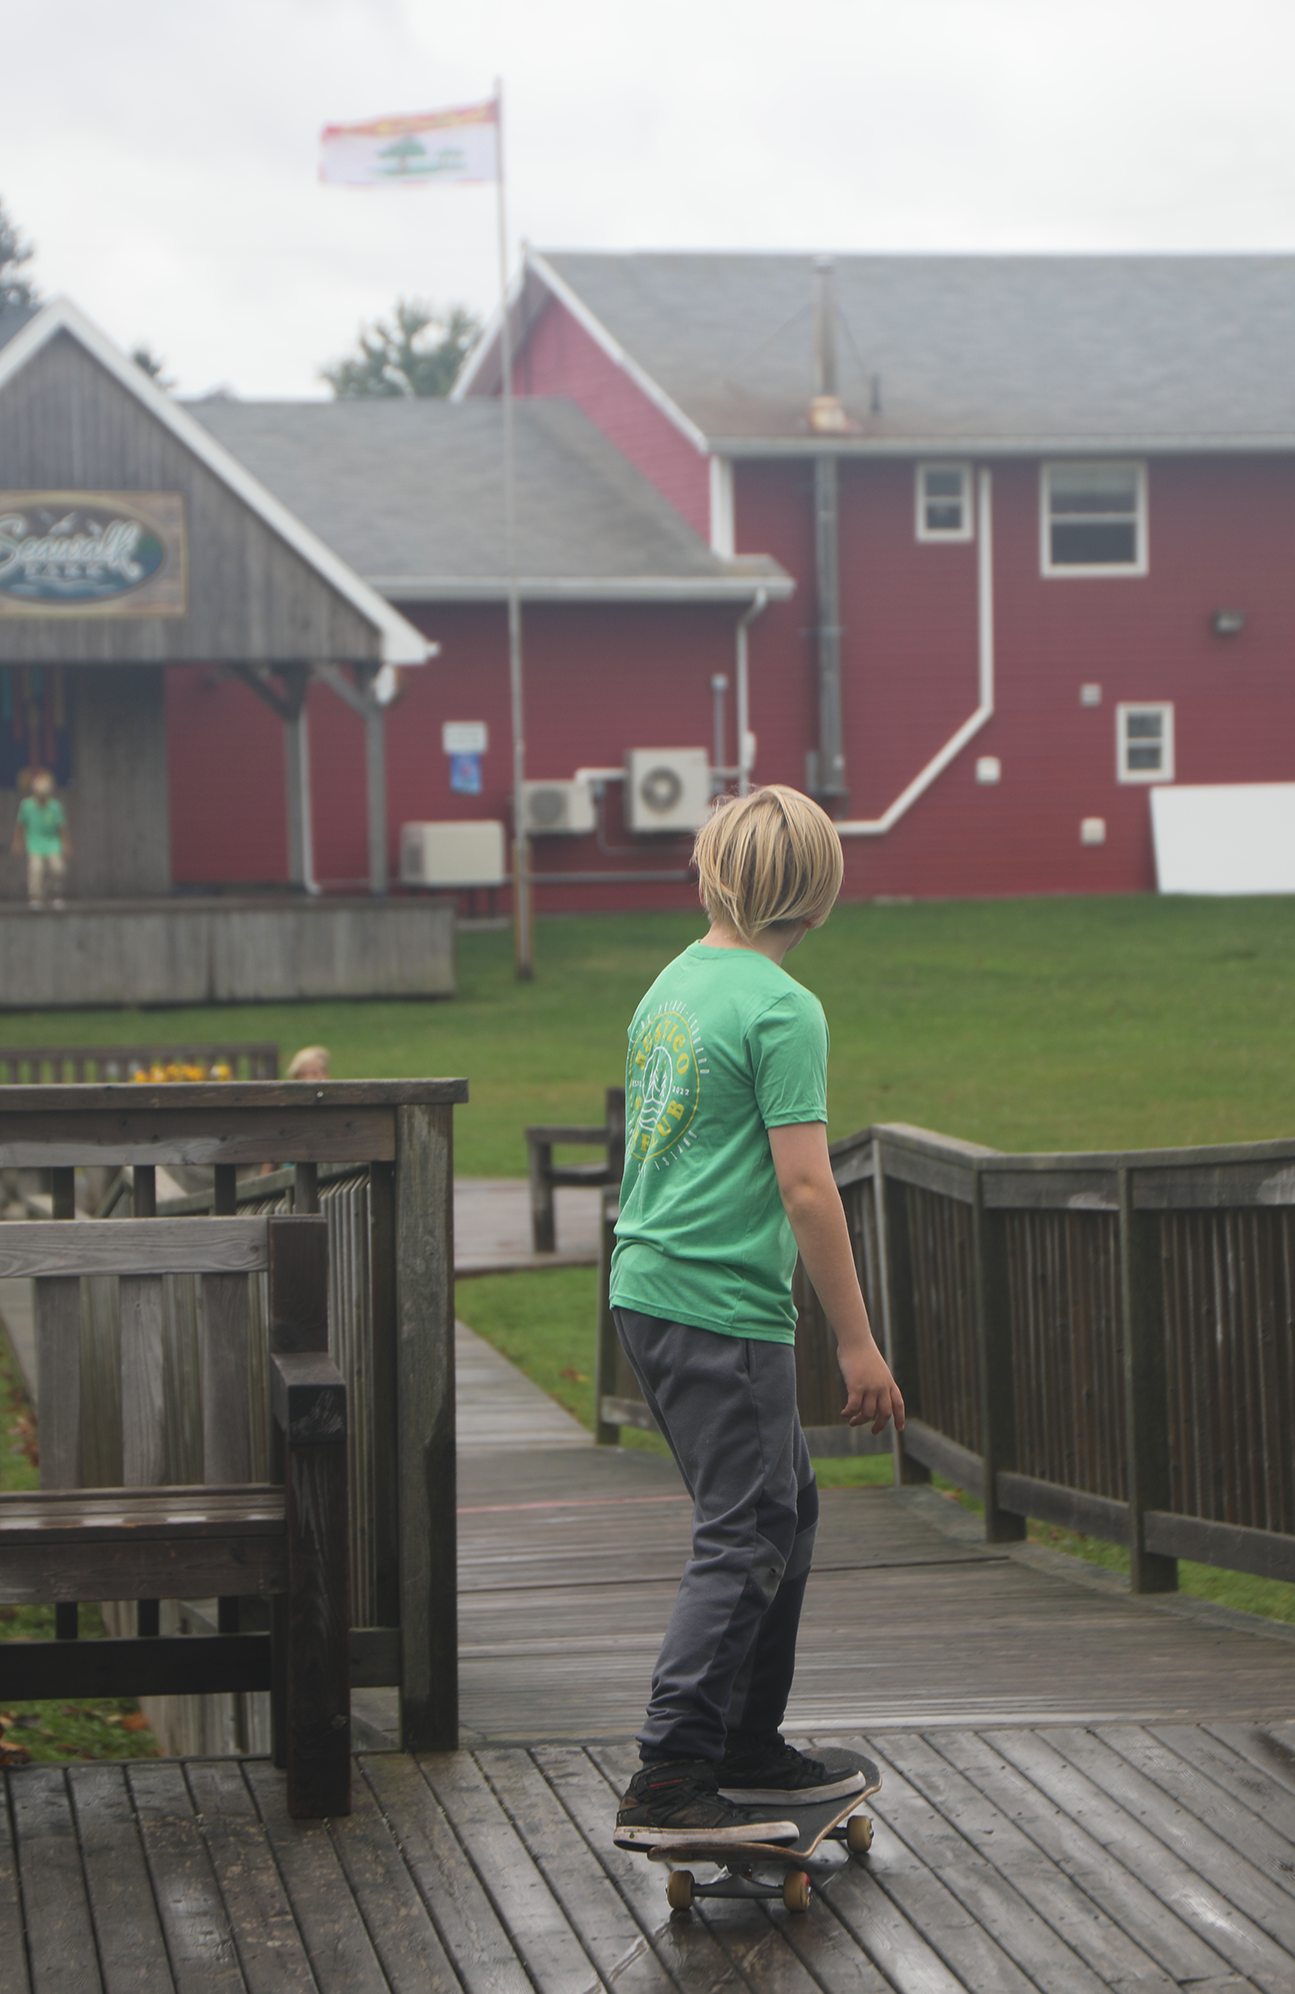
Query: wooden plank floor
[492,1226]
[1082,1790]
[1008,1859]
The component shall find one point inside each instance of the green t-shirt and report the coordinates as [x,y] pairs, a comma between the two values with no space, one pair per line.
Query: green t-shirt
[724,1046]
[42,825]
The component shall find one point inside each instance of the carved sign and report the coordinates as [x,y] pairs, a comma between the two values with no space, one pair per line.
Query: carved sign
[92,554]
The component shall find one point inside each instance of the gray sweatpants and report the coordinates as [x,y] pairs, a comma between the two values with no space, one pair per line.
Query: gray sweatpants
[727,1408]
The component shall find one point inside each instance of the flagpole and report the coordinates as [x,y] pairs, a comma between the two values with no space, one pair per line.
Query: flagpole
[522,951]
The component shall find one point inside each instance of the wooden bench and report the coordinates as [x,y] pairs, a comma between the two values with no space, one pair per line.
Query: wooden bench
[546,1175]
[285,1541]
[247,1059]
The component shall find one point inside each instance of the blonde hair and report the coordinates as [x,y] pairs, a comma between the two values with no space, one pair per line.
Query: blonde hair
[310,1055]
[768,860]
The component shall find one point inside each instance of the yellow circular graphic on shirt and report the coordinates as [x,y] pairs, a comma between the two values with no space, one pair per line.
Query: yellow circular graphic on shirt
[664,1086]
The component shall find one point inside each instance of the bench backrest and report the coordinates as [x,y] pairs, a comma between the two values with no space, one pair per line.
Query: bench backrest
[139,1255]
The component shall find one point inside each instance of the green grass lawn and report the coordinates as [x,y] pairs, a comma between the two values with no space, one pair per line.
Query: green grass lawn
[1065,1023]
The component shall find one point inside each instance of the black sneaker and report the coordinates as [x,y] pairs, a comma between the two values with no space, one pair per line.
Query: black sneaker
[763,1772]
[677,1803]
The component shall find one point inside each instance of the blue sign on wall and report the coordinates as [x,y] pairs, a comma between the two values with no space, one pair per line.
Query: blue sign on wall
[465,775]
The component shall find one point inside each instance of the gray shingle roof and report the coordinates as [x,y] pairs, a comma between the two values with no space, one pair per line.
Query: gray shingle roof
[410,494]
[967,351]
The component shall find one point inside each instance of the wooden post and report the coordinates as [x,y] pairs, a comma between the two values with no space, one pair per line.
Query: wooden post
[58,1379]
[311,1415]
[1146,1388]
[386,1438]
[296,743]
[896,1253]
[606,1432]
[375,769]
[429,1693]
[994,1342]
[543,1231]
[616,1135]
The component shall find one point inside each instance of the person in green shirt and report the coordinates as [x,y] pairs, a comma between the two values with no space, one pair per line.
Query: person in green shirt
[727,1177]
[41,831]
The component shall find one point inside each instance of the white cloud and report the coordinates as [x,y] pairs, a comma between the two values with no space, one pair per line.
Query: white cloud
[164,158]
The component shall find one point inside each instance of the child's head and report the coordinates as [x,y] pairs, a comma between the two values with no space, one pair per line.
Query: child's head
[311,1063]
[42,785]
[768,860]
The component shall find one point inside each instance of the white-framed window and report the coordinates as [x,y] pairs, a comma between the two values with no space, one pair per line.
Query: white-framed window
[944,502]
[1093,518]
[1144,741]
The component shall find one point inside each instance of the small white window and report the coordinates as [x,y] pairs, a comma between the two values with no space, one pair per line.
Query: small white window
[944,501]
[1144,743]
[1093,519]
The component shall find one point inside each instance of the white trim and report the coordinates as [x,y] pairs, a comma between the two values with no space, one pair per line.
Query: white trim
[598,332]
[1126,707]
[1136,443]
[585,588]
[1060,570]
[877,827]
[722,524]
[967,530]
[401,643]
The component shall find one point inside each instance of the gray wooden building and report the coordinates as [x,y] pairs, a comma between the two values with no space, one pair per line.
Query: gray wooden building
[131,539]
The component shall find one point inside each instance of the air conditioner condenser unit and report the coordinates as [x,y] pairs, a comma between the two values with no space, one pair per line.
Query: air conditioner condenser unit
[557,808]
[463,853]
[667,789]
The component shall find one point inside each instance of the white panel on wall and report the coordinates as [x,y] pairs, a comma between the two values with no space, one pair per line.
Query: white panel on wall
[1235,837]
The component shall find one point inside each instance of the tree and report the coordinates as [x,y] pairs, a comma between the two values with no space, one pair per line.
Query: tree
[418,354]
[152,363]
[15,289]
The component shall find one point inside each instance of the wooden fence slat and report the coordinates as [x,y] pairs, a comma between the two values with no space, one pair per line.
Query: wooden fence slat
[226,1395]
[143,1412]
[58,1370]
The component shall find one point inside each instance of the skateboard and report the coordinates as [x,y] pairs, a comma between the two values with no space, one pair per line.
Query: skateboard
[740,1863]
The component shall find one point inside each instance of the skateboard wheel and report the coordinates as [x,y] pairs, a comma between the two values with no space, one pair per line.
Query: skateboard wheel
[678,1889]
[858,1834]
[796,1891]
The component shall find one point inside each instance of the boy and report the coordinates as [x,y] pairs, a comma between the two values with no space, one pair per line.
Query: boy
[726,1175]
[42,830]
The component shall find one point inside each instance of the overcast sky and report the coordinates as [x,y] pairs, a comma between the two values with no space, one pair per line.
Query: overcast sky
[162,155]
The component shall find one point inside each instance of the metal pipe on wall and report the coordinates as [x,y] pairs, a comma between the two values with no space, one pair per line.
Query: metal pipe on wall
[826,772]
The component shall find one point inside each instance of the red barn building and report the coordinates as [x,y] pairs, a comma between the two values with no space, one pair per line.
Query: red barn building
[1038,510]
[977,549]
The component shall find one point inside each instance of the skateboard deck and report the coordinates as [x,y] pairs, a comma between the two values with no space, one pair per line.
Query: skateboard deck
[816,1822]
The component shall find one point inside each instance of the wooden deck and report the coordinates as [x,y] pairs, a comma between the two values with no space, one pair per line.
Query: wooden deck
[1083,1790]
[1009,1859]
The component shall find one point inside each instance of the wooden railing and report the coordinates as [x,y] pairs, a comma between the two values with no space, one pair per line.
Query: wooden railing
[1105,1342]
[383,1151]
